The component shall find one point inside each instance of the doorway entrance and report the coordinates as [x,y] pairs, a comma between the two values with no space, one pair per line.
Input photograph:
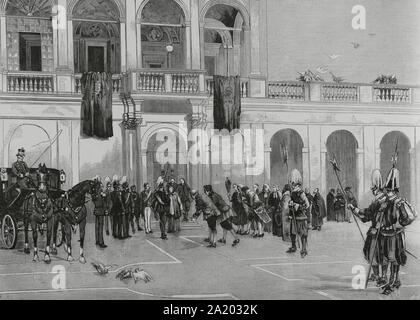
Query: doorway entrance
[96,59]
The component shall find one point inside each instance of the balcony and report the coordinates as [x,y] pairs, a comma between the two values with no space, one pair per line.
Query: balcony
[341,92]
[195,83]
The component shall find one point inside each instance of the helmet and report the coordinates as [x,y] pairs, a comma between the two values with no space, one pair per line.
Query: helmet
[295,178]
[393,180]
[377,183]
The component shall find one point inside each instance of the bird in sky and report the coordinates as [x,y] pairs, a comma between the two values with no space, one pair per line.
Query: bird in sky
[334,56]
[355,45]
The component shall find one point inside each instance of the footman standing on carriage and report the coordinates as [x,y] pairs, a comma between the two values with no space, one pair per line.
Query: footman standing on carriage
[298,207]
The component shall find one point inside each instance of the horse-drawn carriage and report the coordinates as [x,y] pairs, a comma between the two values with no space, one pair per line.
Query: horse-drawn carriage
[12,202]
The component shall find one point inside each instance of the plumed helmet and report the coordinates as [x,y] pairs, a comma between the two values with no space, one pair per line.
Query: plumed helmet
[115,178]
[208,188]
[295,178]
[377,183]
[160,181]
[393,180]
[107,181]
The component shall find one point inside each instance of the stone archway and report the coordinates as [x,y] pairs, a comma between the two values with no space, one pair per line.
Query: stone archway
[165,153]
[96,36]
[388,147]
[34,139]
[286,155]
[342,145]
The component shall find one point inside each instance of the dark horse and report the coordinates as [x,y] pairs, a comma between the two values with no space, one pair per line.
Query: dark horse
[37,211]
[71,211]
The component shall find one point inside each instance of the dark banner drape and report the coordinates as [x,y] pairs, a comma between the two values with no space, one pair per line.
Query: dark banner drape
[97,105]
[227,102]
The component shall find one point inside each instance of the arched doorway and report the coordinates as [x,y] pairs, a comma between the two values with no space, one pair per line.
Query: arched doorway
[29,35]
[35,140]
[96,36]
[165,144]
[163,35]
[388,146]
[224,41]
[342,145]
[286,155]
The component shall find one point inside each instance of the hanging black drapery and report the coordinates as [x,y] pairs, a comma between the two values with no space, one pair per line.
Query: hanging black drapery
[97,105]
[227,103]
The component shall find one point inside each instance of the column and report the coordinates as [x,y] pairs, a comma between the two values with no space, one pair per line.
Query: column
[306,174]
[361,173]
[255,37]
[196,47]
[138,41]
[3,43]
[369,155]
[323,182]
[61,45]
[413,175]
[267,165]
[70,42]
[75,159]
[2,144]
[131,37]
[123,47]
[202,46]
[188,62]
[316,166]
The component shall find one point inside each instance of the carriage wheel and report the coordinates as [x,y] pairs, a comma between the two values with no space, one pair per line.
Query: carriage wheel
[59,239]
[9,232]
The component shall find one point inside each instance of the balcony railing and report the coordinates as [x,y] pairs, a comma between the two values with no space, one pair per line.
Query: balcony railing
[244,87]
[23,82]
[340,92]
[116,83]
[168,81]
[396,94]
[291,90]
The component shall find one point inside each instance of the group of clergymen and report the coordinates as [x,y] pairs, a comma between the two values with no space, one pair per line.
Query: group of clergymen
[336,205]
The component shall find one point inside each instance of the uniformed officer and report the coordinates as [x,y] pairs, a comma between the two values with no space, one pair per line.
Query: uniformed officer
[99,200]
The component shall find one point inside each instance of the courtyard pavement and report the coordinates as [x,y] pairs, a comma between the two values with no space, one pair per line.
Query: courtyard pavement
[183,268]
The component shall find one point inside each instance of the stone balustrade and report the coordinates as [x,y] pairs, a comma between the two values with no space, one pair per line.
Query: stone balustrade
[244,87]
[287,90]
[24,82]
[341,92]
[168,81]
[116,83]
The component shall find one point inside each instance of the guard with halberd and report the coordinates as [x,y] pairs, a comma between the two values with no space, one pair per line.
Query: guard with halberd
[298,208]
[390,214]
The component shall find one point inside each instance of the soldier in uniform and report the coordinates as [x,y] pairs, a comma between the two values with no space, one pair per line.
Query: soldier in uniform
[385,243]
[298,214]
[116,210]
[126,213]
[136,212]
[108,203]
[161,207]
[146,198]
[100,202]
